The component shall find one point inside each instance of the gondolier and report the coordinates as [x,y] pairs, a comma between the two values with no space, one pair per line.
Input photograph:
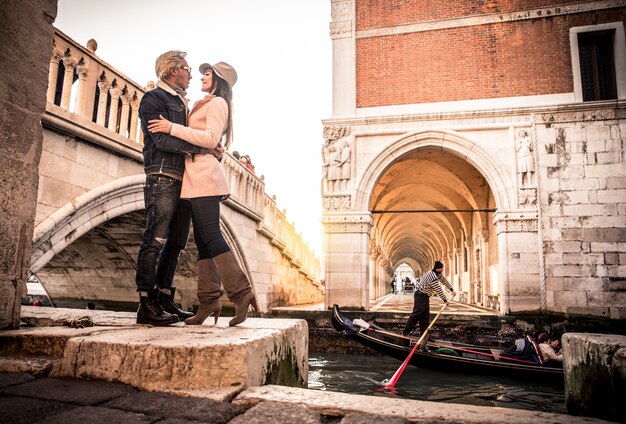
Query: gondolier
[428,286]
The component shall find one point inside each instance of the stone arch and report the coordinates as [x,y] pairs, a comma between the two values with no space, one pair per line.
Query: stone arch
[448,140]
[468,179]
[87,211]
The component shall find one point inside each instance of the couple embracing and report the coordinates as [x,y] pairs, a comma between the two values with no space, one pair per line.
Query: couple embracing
[185,182]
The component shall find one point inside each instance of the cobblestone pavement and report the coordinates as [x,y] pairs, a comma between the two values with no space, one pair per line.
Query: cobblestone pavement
[27,399]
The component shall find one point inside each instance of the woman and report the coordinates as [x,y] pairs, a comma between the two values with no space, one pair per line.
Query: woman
[205,186]
[546,346]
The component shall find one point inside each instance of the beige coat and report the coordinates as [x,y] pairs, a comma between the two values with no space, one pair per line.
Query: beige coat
[204,175]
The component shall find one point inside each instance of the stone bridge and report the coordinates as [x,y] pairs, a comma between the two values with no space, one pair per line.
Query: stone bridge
[89,216]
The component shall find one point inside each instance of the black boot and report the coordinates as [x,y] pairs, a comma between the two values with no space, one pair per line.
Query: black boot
[151,312]
[168,304]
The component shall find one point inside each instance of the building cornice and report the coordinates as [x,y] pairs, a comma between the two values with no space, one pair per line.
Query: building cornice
[613,109]
[492,18]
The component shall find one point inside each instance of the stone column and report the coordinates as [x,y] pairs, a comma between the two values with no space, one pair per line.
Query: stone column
[468,263]
[68,80]
[134,118]
[53,74]
[25,46]
[342,32]
[595,375]
[485,274]
[372,277]
[104,86]
[81,91]
[519,262]
[347,256]
[123,125]
[115,97]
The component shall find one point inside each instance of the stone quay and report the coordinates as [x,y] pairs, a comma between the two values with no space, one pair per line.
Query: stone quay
[66,365]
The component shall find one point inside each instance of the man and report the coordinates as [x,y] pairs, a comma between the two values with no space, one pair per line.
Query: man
[167,217]
[428,286]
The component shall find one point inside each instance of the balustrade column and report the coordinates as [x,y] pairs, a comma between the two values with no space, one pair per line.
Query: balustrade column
[134,118]
[123,126]
[53,75]
[115,97]
[68,80]
[81,93]
[103,85]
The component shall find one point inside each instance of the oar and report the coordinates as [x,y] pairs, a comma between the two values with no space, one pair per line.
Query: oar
[398,373]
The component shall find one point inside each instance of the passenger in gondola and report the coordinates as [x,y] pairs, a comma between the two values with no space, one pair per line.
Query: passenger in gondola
[546,346]
[522,349]
[429,285]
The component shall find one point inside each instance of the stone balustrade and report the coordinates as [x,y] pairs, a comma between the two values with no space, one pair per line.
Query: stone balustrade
[82,83]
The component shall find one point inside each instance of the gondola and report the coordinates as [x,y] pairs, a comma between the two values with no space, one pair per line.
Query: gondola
[444,355]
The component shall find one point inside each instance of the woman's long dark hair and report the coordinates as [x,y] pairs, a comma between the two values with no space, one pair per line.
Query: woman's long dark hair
[225,91]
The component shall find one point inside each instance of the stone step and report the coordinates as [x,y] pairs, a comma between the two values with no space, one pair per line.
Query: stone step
[38,365]
[189,359]
[336,405]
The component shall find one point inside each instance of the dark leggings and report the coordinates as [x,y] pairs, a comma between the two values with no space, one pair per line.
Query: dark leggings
[421,313]
[205,215]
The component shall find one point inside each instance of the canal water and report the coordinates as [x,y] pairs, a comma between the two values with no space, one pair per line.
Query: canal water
[361,374]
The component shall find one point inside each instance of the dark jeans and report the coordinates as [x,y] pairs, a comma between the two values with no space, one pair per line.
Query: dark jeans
[167,229]
[421,313]
[205,213]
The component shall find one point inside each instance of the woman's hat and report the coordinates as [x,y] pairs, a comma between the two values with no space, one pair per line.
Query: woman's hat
[222,70]
[438,265]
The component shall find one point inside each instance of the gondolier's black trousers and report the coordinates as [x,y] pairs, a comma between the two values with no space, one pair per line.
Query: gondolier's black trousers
[421,313]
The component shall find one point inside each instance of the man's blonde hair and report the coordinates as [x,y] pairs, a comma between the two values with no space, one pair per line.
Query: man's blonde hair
[167,61]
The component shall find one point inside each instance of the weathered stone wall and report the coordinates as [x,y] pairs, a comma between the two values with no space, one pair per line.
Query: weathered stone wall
[70,167]
[25,45]
[583,200]
[595,375]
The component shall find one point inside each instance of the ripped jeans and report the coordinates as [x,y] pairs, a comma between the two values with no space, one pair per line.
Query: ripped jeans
[167,228]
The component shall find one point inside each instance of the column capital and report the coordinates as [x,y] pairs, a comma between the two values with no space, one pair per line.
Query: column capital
[115,93]
[82,69]
[56,57]
[104,85]
[69,62]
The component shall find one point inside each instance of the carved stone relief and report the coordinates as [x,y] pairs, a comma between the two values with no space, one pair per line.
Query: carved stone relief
[336,203]
[336,154]
[525,160]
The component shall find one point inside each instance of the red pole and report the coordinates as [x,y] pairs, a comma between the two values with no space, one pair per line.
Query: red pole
[398,373]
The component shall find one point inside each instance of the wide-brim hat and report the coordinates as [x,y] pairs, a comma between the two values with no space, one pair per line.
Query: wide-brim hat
[222,70]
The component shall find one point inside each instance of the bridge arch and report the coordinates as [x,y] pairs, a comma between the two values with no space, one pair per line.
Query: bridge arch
[95,207]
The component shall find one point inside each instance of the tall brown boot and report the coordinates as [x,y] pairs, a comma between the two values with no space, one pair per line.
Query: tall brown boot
[209,293]
[237,286]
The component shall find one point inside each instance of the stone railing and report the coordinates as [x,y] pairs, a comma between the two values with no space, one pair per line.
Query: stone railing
[82,83]
[88,97]
[283,235]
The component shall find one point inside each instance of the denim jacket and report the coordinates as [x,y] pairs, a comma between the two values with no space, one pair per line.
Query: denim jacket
[163,153]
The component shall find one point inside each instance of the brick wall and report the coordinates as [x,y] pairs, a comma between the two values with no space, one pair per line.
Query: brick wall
[518,58]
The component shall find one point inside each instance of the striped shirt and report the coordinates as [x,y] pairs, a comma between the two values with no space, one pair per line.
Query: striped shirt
[429,285]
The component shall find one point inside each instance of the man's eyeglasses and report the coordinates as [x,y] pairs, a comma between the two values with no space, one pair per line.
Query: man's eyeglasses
[186,68]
